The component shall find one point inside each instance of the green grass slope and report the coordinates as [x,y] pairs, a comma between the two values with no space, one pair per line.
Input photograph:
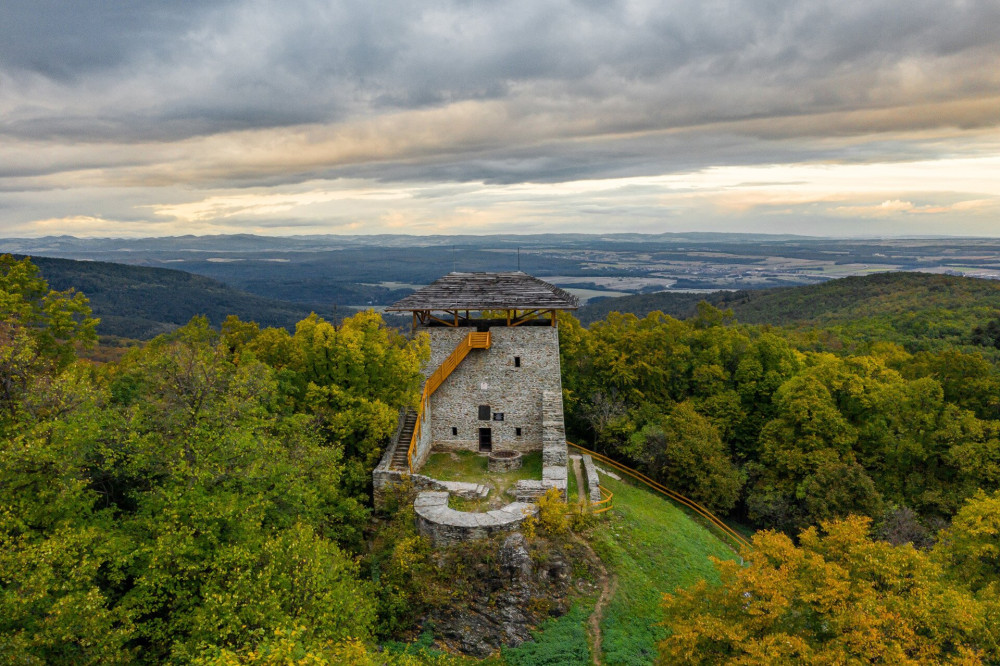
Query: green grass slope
[653,547]
[140,302]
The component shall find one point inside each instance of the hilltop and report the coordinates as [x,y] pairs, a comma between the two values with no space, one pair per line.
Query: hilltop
[910,308]
[882,294]
[141,302]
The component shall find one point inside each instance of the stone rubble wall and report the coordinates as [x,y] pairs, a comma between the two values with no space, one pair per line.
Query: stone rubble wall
[446,526]
[384,478]
[426,441]
[555,456]
[593,481]
[554,451]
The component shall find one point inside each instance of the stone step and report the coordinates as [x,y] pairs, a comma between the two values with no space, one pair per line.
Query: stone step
[466,490]
[399,460]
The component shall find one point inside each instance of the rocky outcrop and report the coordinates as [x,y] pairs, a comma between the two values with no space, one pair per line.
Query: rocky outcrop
[513,589]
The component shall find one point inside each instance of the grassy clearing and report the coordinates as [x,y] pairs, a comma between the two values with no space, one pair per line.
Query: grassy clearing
[458,466]
[425,655]
[653,547]
[472,467]
[572,491]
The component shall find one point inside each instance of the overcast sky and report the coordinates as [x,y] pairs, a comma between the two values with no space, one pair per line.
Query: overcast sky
[164,117]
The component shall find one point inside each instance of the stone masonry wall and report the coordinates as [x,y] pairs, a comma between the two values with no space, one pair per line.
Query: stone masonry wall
[489,377]
[446,526]
[593,481]
[425,441]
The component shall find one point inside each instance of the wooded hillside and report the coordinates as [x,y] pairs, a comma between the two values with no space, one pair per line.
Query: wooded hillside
[140,302]
[206,498]
[917,310]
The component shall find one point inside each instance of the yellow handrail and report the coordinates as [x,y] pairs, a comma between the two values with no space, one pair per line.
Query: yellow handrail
[691,504]
[470,342]
[606,501]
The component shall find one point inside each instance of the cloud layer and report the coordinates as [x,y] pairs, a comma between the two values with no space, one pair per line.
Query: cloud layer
[169,116]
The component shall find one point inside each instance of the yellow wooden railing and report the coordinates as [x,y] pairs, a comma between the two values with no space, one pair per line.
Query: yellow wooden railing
[605,503]
[471,341]
[729,532]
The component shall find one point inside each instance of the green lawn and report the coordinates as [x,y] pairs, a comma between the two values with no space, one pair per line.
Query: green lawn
[572,492]
[471,467]
[653,547]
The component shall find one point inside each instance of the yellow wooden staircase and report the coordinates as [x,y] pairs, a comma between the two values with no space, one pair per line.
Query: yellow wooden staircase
[471,341]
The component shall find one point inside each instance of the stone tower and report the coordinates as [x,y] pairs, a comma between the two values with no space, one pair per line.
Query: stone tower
[493,380]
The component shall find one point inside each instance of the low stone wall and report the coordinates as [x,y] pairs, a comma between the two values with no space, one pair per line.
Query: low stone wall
[445,526]
[593,481]
[425,443]
[383,479]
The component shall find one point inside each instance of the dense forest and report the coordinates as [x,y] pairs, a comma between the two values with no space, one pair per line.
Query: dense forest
[782,428]
[916,310]
[206,499]
[203,500]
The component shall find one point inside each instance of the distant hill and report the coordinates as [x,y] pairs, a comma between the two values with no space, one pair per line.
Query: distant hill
[679,305]
[914,309]
[878,295]
[139,302]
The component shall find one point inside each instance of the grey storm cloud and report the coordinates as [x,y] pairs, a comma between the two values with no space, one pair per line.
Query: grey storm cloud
[118,110]
[167,69]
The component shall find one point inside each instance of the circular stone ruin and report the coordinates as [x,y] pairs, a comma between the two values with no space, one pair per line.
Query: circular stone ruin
[504,461]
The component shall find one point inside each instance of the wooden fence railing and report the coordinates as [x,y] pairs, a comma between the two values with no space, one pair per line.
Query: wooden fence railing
[733,535]
[471,341]
[605,503]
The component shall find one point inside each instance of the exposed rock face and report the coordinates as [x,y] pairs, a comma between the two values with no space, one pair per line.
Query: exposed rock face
[514,557]
[513,588]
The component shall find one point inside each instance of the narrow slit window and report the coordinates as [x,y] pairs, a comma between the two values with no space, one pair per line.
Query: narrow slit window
[517,432]
[454,431]
[517,361]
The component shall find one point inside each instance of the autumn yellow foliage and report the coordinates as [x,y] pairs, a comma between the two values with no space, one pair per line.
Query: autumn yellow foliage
[837,598]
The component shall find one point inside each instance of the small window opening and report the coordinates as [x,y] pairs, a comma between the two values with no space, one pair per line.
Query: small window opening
[517,432]
[454,431]
[484,412]
[517,361]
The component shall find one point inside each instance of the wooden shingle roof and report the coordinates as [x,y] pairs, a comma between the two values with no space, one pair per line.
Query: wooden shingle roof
[488,291]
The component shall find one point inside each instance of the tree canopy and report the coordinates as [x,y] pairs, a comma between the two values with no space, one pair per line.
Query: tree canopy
[838,597]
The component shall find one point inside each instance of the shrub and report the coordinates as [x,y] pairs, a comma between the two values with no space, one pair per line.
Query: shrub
[552,513]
